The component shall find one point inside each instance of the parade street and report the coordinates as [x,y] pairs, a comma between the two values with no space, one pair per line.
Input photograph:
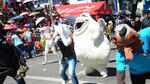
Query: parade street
[48,74]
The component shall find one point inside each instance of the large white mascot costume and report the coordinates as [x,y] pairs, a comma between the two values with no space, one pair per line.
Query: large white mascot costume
[91,46]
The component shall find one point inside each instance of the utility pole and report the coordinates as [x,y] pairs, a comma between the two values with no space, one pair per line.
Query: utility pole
[51,12]
[118,6]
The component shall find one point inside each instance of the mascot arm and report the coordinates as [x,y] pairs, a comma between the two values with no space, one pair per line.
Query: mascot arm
[95,33]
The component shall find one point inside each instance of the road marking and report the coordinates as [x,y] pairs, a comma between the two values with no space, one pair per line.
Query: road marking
[56,79]
[40,63]
[81,72]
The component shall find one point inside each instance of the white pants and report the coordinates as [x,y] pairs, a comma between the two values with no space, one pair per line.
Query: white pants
[50,44]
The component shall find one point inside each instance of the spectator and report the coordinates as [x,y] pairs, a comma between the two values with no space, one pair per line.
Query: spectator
[29,39]
[18,43]
[137,24]
[146,21]
[133,52]
[9,60]
[5,7]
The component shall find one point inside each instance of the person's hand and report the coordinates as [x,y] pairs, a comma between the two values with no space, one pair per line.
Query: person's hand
[21,72]
[70,35]
[128,53]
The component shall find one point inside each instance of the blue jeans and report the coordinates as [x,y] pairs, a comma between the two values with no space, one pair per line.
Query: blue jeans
[21,48]
[63,67]
[30,49]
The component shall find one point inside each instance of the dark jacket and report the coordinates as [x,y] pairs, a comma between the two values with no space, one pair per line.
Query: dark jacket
[67,51]
[8,54]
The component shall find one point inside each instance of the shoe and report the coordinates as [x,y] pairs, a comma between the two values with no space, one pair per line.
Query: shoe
[43,63]
[82,65]
[30,57]
[65,81]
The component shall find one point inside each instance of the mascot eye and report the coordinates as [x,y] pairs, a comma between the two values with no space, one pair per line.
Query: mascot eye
[78,25]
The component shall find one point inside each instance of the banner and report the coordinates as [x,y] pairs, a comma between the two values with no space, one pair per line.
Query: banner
[114,6]
[94,8]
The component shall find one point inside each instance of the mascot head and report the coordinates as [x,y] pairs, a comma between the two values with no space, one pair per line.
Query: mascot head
[122,31]
[127,40]
[82,23]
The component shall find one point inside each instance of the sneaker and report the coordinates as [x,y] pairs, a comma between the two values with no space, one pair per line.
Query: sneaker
[65,81]
[43,63]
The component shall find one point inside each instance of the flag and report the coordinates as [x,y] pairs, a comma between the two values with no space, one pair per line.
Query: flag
[122,5]
[114,6]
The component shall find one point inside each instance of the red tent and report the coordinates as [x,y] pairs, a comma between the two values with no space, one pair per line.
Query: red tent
[94,8]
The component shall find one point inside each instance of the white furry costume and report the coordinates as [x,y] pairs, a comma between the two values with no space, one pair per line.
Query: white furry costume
[91,46]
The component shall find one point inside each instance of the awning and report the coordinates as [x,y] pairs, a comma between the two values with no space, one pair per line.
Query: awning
[91,8]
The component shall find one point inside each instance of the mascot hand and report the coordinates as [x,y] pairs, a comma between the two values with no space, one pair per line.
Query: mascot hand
[22,71]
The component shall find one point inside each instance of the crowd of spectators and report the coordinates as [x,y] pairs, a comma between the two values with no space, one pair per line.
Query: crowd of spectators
[27,37]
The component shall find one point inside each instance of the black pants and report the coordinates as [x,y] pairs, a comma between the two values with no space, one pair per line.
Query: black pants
[13,75]
[139,79]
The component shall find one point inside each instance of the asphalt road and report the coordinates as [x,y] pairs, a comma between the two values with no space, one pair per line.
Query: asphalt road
[48,74]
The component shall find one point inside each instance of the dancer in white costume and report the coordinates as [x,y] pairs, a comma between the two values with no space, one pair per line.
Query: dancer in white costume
[49,44]
[91,45]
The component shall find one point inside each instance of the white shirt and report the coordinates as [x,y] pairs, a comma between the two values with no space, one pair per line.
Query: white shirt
[64,33]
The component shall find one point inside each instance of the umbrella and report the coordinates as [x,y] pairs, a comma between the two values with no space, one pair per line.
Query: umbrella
[41,29]
[39,20]
[26,1]
[11,26]
[24,13]
[16,17]
[33,13]
[39,8]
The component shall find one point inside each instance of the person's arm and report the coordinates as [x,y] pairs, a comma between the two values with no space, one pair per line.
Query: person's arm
[66,40]
[33,37]
[2,23]
[121,66]
[65,35]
